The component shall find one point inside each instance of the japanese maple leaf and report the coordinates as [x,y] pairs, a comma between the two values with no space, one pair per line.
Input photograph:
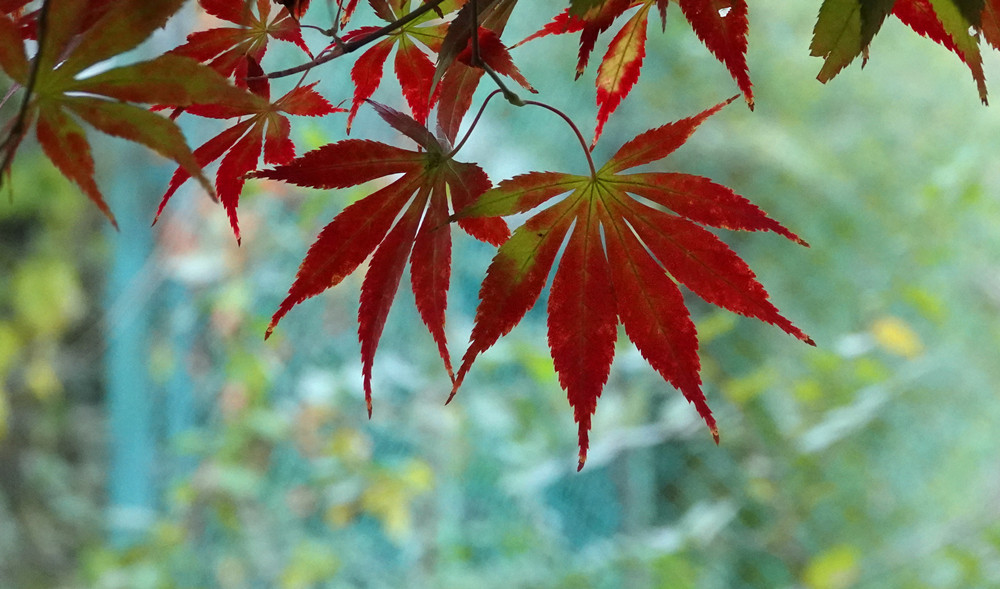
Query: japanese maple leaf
[720,24]
[949,22]
[229,49]
[413,67]
[264,126]
[845,28]
[623,260]
[419,198]
[61,92]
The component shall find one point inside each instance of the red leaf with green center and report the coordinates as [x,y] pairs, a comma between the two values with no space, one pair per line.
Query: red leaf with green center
[429,177]
[622,261]
[227,49]
[590,23]
[944,22]
[619,70]
[413,67]
[243,141]
[720,24]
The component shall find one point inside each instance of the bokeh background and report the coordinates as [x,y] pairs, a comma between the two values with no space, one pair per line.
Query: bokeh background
[150,438]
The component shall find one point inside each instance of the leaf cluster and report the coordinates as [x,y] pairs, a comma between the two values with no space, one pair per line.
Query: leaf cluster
[628,239]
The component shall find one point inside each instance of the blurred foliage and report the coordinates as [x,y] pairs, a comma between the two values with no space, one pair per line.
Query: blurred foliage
[869,461]
[51,454]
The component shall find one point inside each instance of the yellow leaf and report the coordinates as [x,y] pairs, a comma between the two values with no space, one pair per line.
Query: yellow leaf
[896,337]
[836,568]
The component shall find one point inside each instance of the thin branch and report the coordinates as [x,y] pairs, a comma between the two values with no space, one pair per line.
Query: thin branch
[583,142]
[351,46]
[475,121]
[17,130]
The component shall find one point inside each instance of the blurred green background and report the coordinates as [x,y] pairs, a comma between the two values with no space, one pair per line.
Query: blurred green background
[149,438]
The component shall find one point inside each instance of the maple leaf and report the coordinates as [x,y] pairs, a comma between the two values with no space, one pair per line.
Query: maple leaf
[622,262]
[266,130]
[420,200]
[70,47]
[720,24]
[229,50]
[413,67]
[949,22]
[845,28]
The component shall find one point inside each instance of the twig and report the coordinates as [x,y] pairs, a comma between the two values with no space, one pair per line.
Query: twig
[351,46]
[17,130]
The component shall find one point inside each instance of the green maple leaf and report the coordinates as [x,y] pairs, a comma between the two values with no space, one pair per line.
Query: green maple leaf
[62,95]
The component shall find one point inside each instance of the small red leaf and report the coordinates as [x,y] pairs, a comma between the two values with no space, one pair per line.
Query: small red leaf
[415,72]
[367,75]
[619,70]
[209,151]
[722,26]
[616,266]
[229,183]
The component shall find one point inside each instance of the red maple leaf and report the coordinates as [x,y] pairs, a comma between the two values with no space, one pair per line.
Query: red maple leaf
[950,29]
[720,24]
[420,200]
[229,49]
[622,262]
[266,127]
[413,67]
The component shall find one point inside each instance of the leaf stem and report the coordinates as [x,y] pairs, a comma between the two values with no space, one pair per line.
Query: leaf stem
[351,46]
[475,121]
[17,130]
[579,135]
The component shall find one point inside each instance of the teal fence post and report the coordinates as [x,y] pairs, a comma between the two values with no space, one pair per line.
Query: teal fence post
[130,400]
